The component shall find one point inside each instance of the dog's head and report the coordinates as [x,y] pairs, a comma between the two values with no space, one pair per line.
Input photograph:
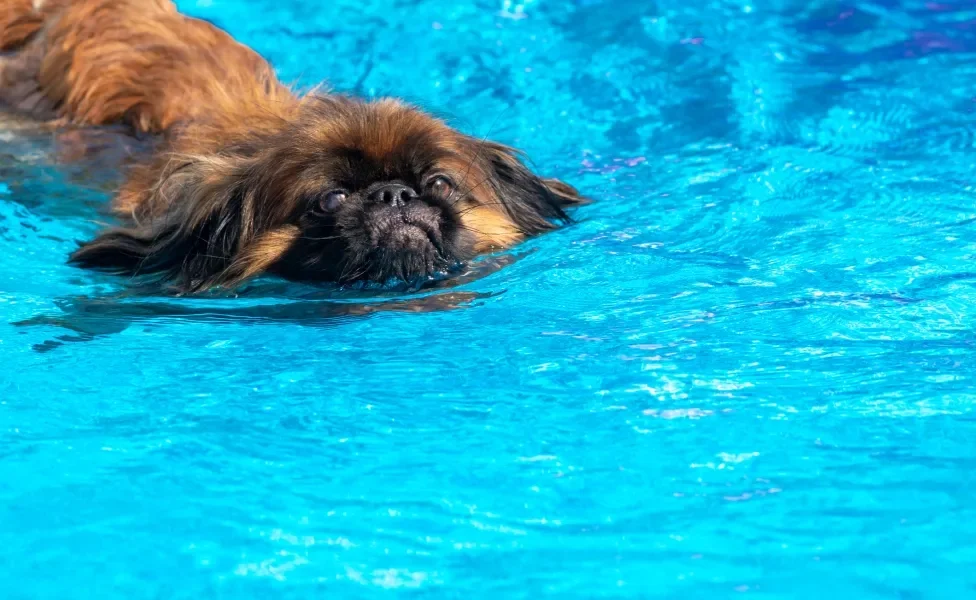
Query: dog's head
[338,190]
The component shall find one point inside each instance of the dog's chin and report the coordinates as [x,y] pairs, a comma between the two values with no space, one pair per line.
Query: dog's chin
[405,244]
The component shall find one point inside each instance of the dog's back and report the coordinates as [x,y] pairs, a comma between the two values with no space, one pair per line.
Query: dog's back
[132,61]
[20,21]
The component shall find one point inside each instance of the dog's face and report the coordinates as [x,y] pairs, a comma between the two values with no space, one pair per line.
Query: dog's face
[341,191]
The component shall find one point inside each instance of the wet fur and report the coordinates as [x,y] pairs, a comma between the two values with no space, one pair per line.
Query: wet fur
[227,196]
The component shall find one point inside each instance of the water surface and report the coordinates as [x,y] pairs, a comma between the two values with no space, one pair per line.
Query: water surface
[746,370]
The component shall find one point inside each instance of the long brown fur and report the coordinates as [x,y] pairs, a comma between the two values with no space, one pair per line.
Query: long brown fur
[222,201]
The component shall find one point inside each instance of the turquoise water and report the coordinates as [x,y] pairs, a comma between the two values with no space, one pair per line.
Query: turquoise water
[746,371]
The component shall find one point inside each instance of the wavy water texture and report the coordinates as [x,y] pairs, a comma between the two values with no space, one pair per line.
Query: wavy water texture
[747,369]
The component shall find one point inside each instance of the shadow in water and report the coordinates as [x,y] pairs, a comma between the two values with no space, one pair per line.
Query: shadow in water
[88,318]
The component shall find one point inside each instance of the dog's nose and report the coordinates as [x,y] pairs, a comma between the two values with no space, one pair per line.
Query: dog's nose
[394,194]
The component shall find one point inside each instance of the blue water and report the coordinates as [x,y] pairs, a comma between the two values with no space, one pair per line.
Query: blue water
[746,371]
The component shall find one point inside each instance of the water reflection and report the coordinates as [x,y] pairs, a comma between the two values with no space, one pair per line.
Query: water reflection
[89,318]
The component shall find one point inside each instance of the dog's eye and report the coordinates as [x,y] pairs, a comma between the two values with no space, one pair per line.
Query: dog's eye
[441,186]
[330,201]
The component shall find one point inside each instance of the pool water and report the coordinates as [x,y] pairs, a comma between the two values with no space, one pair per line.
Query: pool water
[747,370]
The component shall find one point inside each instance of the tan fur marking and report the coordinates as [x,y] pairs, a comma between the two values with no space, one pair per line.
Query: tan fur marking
[264,252]
[494,230]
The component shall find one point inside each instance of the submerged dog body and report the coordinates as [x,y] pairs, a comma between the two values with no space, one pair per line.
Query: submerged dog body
[250,177]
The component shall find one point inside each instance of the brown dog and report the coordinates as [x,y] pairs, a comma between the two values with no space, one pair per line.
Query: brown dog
[252,178]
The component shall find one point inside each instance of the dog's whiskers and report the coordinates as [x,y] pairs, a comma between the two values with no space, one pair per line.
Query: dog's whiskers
[481,147]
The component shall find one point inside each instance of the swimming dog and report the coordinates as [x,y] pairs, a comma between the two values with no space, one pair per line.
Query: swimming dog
[251,177]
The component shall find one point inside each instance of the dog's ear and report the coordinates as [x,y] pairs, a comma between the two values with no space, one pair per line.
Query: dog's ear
[533,203]
[203,234]
[566,195]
